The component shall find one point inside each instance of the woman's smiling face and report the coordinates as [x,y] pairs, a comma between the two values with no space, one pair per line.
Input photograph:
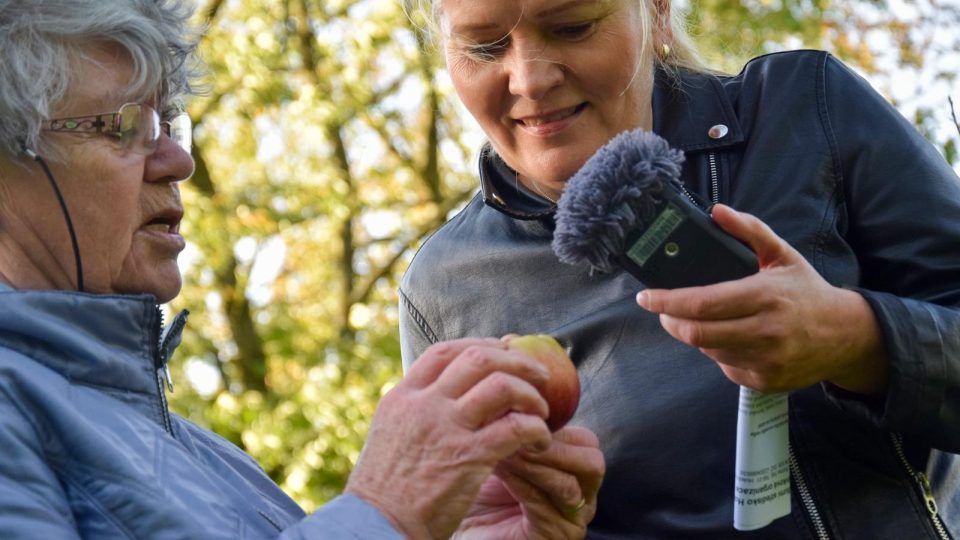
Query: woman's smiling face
[549,81]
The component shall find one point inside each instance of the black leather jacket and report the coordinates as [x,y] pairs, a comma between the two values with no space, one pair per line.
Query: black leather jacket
[814,152]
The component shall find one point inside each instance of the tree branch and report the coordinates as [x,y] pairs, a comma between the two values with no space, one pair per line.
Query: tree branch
[306,43]
[431,166]
[362,293]
[251,358]
[953,113]
[212,12]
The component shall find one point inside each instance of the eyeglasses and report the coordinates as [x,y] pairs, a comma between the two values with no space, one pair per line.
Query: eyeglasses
[137,126]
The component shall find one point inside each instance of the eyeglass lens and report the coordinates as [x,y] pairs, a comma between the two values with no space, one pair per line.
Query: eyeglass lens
[140,128]
[180,129]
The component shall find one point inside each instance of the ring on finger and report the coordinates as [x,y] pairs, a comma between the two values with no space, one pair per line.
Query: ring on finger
[572,511]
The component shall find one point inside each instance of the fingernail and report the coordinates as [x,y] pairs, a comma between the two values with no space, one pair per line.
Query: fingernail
[642,299]
[537,447]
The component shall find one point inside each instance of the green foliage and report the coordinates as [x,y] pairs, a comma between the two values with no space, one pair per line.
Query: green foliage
[315,178]
[330,146]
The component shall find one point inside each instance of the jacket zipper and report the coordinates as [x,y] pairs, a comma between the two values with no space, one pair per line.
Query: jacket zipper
[160,367]
[714,185]
[805,495]
[923,483]
[806,498]
[714,179]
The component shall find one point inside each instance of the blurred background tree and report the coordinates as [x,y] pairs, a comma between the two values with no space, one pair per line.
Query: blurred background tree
[331,145]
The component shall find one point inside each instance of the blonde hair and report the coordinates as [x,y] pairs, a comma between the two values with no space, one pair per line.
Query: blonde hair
[425,14]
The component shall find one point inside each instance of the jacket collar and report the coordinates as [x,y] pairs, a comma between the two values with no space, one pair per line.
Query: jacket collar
[688,111]
[687,108]
[110,341]
[502,191]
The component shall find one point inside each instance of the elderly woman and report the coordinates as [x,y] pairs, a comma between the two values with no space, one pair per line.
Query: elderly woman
[92,149]
[855,220]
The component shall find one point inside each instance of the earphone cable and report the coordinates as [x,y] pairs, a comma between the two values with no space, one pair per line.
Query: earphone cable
[66,217]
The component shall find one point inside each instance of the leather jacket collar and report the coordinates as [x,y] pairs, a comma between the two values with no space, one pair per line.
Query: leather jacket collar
[688,110]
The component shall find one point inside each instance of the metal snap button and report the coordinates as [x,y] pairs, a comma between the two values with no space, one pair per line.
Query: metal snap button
[718,131]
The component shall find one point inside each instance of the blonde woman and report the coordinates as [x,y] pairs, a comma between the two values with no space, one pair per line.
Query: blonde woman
[855,220]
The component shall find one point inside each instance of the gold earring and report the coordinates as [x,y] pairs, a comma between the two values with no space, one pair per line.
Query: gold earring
[665,49]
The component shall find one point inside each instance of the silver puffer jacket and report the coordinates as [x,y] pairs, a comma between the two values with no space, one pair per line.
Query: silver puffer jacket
[803,143]
[88,448]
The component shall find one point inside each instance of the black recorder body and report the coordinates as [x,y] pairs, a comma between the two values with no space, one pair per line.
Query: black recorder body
[682,247]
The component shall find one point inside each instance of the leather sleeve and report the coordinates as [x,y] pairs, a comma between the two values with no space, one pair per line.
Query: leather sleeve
[902,202]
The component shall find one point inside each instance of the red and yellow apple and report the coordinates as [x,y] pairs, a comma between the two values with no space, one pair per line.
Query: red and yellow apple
[562,389]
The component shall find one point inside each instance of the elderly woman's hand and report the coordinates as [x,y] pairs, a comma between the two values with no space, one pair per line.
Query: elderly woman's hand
[462,408]
[781,329]
[549,495]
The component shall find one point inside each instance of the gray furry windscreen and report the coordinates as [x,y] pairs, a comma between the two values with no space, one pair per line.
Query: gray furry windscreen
[613,194]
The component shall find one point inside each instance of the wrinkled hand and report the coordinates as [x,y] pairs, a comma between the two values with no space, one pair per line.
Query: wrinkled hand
[781,329]
[548,495]
[462,408]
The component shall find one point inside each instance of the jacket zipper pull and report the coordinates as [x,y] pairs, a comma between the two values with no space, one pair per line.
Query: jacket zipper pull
[927,493]
[169,339]
[166,373]
[924,484]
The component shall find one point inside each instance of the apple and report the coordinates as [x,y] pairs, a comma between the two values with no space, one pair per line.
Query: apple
[562,389]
